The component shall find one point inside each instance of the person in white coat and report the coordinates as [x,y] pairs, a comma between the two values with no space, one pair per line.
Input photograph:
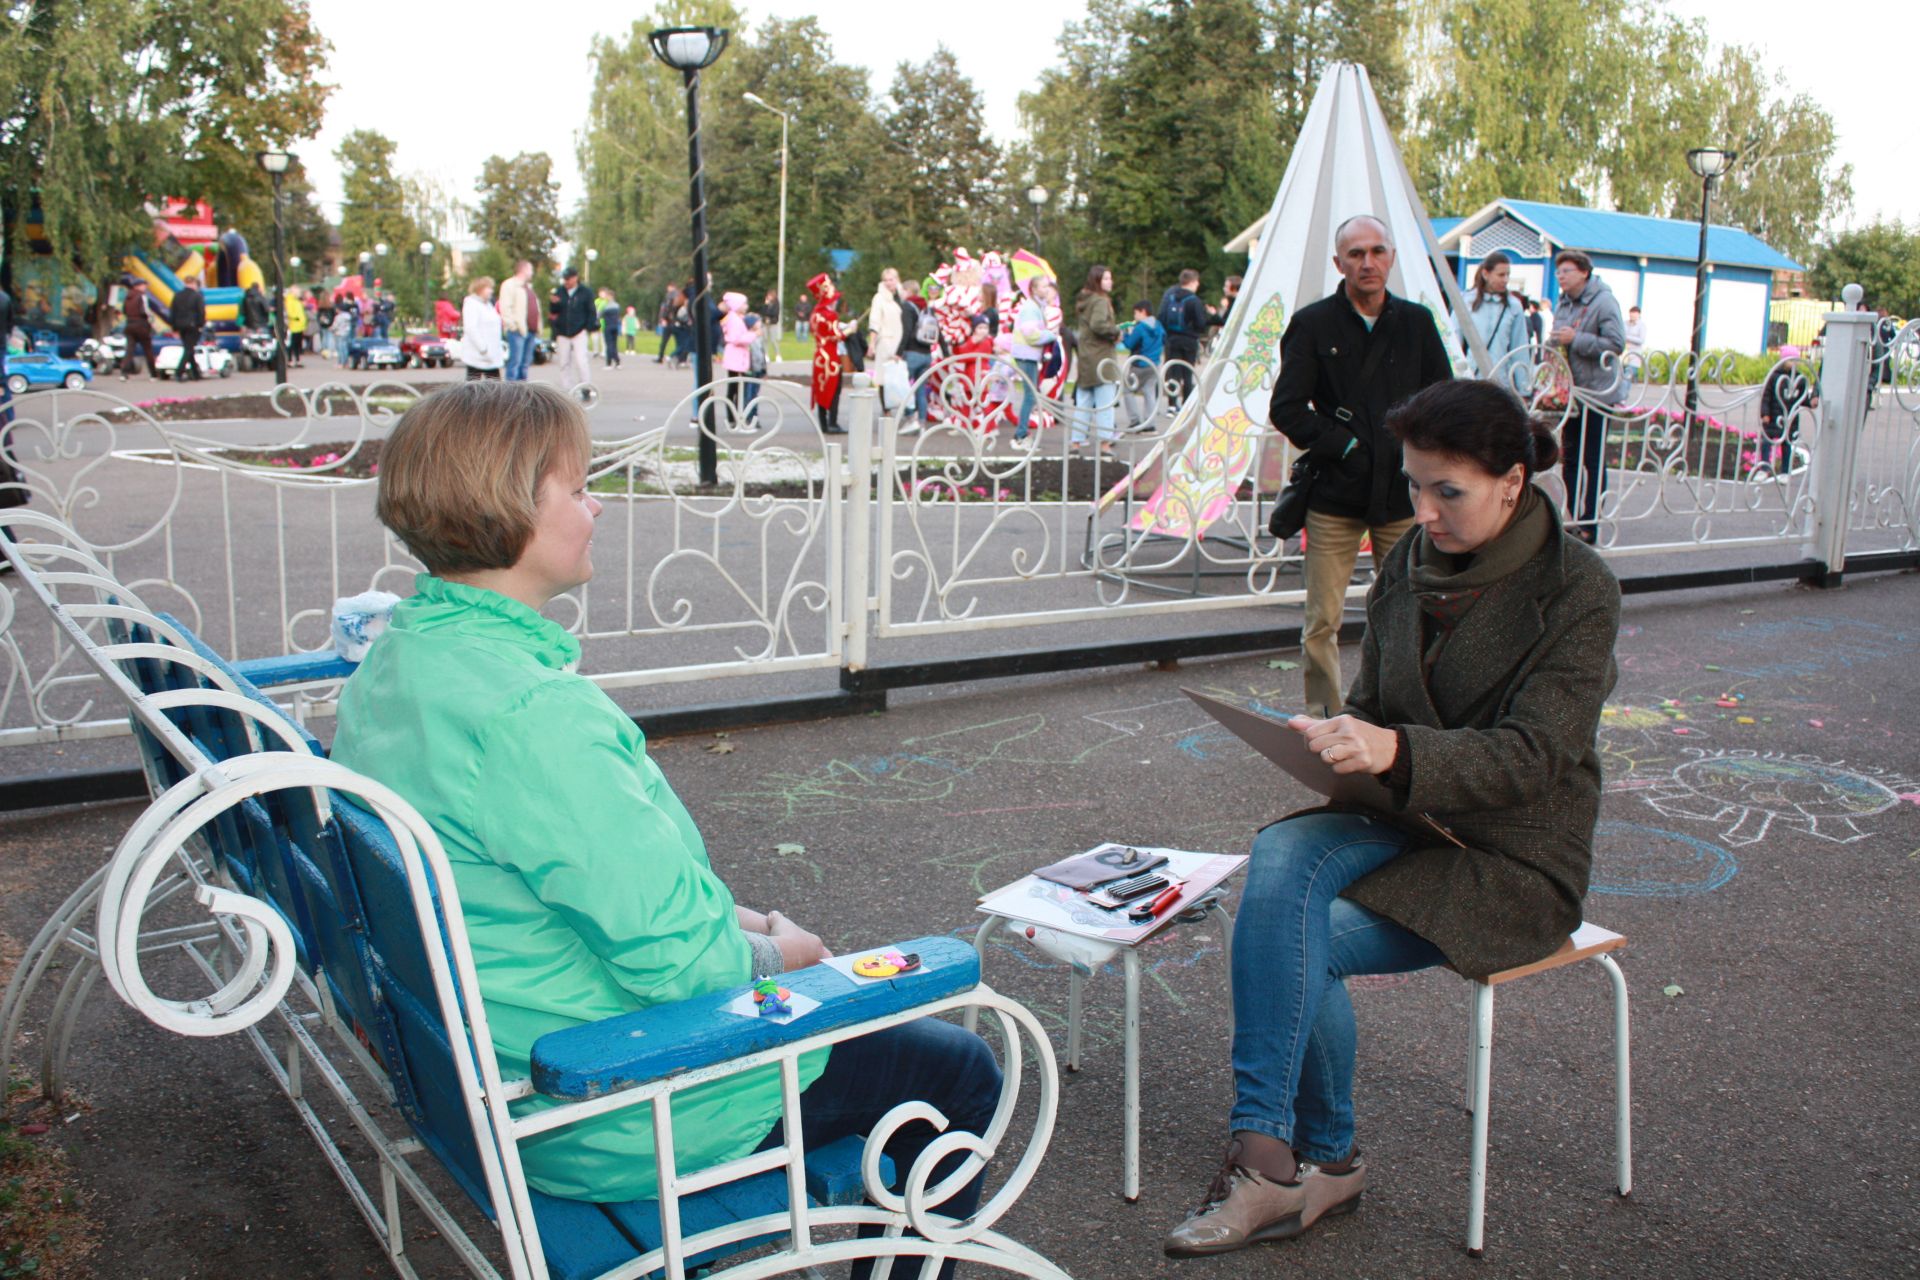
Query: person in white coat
[883,322]
[483,348]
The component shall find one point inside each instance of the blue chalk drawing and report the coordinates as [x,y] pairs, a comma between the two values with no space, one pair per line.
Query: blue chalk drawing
[1638,861]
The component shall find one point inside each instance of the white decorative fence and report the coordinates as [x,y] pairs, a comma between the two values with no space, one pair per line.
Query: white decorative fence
[816,552]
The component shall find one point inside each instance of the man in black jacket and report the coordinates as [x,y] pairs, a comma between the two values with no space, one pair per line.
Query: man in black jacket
[571,313]
[1344,361]
[1186,320]
[188,311]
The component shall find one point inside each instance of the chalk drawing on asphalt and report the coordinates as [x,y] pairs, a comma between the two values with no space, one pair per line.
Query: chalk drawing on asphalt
[1748,794]
[1631,859]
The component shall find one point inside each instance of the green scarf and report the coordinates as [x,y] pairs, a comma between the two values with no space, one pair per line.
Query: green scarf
[1448,586]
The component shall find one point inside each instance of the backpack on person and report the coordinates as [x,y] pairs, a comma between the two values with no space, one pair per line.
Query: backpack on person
[926,327]
[1173,312]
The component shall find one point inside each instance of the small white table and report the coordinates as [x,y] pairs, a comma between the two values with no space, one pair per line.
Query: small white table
[1095,951]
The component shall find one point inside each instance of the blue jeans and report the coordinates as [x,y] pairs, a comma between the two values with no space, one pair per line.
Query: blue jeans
[918,362]
[519,355]
[1029,379]
[929,1060]
[1100,399]
[1293,942]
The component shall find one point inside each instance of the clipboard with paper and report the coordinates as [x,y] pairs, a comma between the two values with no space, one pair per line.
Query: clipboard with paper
[1288,749]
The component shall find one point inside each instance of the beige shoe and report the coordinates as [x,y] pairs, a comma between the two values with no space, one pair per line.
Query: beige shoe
[1243,1207]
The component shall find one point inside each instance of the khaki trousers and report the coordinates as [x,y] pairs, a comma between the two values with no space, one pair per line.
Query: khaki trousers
[1333,546]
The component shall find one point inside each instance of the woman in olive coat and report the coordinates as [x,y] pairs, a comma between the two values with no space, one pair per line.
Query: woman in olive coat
[1487,658]
[1096,377]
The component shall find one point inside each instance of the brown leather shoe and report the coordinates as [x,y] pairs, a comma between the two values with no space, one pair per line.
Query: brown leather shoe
[1243,1207]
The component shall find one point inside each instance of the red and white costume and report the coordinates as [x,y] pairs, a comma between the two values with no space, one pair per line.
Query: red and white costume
[827,360]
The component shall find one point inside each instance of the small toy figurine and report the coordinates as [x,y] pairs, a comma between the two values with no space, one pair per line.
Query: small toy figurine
[772,998]
[886,965]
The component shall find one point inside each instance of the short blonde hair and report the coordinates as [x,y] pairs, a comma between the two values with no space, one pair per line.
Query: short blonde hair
[480,285]
[460,476]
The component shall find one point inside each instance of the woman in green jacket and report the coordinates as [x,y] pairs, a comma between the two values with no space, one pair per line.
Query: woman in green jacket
[584,881]
[1096,384]
[1487,658]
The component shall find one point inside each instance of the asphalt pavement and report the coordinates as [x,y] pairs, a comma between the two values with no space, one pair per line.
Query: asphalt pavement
[1759,847]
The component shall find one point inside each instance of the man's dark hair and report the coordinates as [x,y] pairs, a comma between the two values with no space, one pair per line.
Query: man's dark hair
[1143,305]
[1189,277]
[1576,257]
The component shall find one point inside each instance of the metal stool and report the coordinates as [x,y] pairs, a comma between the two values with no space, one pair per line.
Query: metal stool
[1589,942]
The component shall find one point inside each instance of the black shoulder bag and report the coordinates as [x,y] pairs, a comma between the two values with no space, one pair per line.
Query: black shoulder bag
[1289,514]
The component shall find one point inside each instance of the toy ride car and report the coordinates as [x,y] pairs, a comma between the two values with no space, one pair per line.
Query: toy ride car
[424,350]
[374,353]
[44,369]
[211,361]
[257,348]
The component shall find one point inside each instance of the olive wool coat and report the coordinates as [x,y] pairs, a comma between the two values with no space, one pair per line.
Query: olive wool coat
[1500,740]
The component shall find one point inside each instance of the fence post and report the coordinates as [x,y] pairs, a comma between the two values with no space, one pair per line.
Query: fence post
[857,570]
[1844,370]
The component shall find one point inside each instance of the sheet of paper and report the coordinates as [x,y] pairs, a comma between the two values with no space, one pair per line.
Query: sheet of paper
[843,964]
[744,1006]
[1052,906]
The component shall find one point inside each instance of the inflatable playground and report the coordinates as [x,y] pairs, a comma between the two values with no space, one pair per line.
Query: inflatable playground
[187,245]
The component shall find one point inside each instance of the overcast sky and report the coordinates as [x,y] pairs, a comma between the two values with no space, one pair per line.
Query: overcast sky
[471,113]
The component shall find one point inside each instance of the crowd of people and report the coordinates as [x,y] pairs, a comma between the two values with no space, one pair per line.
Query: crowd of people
[1007,345]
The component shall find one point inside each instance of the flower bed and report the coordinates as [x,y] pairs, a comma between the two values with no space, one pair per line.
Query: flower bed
[1711,449]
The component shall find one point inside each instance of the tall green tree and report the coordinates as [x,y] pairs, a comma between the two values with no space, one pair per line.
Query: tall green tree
[519,206]
[633,155]
[1187,147]
[373,209]
[948,174]
[1787,183]
[106,103]
[1530,99]
[1883,259]
[632,151]
[1531,102]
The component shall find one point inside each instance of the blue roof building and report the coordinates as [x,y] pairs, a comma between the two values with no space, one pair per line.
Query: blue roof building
[1647,262]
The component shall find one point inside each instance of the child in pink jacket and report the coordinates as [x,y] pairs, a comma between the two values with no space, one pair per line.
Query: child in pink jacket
[738,356]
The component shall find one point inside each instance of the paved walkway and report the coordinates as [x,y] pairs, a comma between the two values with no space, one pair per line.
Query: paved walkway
[1763,859]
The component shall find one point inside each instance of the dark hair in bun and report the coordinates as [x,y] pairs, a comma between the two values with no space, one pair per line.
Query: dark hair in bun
[1477,419]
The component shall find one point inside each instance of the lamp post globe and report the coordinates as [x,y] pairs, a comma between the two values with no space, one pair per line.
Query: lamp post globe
[1710,162]
[688,50]
[1037,197]
[275,165]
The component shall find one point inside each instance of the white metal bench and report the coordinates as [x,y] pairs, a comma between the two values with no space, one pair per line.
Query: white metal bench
[329,913]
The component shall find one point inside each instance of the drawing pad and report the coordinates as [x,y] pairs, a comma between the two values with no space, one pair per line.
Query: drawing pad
[1272,739]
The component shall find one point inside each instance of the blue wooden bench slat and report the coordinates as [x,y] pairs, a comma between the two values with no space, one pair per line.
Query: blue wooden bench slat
[652,1044]
[579,1240]
[249,686]
[295,668]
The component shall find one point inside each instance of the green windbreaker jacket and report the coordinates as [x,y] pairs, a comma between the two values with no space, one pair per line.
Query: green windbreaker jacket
[585,883]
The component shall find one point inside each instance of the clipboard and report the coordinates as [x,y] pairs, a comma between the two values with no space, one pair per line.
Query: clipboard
[1272,739]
